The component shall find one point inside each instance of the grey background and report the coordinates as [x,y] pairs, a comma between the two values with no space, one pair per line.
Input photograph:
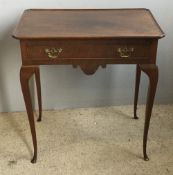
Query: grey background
[63,86]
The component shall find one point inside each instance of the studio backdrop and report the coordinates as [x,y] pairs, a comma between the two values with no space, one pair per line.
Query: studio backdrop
[66,87]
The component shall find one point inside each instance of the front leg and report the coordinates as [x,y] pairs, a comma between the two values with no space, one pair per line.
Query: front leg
[25,74]
[152,72]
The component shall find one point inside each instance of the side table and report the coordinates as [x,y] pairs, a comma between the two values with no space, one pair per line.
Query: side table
[88,38]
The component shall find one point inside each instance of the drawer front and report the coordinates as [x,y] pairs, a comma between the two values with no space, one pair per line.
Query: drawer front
[122,49]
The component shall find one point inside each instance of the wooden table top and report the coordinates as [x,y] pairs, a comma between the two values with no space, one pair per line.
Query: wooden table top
[87,23]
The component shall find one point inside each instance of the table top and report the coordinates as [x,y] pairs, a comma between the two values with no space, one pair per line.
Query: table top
[87,23]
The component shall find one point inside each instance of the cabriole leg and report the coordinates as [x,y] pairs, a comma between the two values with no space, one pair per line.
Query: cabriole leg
[152,72]
[25,74]
[137,83]
[38,85]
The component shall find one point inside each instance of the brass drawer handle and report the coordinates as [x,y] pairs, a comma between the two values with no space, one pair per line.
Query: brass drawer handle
[53,52]
[125,52]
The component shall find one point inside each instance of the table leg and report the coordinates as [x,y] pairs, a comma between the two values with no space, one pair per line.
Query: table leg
[152,72]
[38,85]
[25,74]
[137,83]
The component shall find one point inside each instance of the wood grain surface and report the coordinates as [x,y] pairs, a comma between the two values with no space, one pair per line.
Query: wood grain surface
[54,23]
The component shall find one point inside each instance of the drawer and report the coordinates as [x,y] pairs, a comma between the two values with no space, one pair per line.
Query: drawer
[121,49]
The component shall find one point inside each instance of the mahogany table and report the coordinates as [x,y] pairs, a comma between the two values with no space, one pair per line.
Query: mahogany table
[88,38]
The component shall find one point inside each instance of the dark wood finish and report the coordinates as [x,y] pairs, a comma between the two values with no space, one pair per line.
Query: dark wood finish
[38,85]
[87,23]
[95,52]
[89,39]
[86,49]
[25,75]
[137,83]
[152,72]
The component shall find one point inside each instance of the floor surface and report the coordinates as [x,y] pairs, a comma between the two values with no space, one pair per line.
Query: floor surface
[88,141]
